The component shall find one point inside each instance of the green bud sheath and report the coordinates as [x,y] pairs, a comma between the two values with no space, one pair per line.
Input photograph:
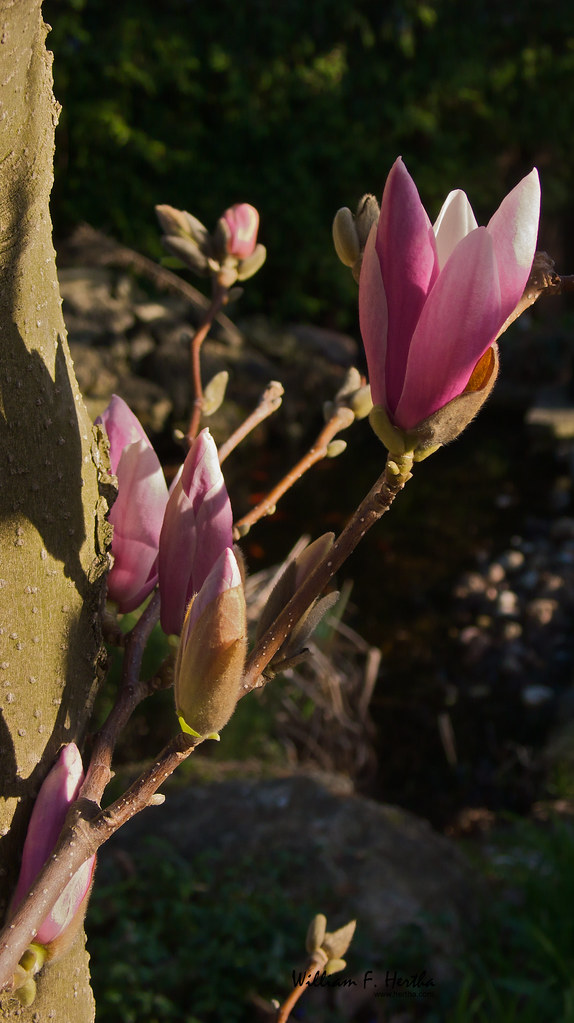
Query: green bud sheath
[209,665]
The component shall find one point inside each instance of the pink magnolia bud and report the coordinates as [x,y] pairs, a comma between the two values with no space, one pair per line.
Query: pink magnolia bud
[138,511]
[58,792]
[212,650]
[242,221]
[433,300]
[197,527]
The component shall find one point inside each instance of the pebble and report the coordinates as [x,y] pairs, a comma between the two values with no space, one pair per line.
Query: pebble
[512,560]
[535,696]
[495,573]
[542,610]
[507,603]
[515,613]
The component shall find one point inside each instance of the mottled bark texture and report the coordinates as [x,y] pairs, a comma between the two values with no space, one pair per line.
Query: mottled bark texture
[50,512]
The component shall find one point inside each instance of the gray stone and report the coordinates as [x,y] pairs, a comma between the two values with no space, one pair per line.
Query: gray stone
[381,865]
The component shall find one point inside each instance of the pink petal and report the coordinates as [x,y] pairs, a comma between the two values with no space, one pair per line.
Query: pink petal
[137,517]
[460,320]
[243,223]
[65,908]
[453,223]
[514,231]
[58,791]
[407,252]
[122,428]
[197,528]
[373,317]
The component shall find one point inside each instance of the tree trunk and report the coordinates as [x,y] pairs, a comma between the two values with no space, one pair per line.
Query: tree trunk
[51,516]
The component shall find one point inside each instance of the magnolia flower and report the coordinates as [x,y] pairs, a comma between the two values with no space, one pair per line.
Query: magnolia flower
[137,514]
[197,527]
[242,224]
[432,300]
[211,653]
[59,790]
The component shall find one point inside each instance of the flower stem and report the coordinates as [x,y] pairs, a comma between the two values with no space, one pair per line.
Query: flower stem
[338,421]
[220,296]
[268,403]
[288,1005]
[379,499]
[86,829]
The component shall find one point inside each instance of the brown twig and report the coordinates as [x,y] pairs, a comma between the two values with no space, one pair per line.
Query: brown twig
[86,829]
[289,1004]
[132,692]
[220,296]
[543,280]
[268,403]
[374,505]
[341,418]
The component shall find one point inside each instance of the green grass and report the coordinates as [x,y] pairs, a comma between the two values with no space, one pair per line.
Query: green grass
[520,964]
[192,941]
[189,942]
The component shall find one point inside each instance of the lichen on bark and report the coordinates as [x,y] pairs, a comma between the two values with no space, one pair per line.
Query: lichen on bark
[52,561]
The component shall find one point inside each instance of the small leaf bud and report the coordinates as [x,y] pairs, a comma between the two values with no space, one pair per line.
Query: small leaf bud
[336,943]
[345,237]
[335,448]
[361,402]
[182,224]
[249,266]
[350,232]
[214,393]
[334,966]
[188,251]
[316,933]
[27,993]
[367,214]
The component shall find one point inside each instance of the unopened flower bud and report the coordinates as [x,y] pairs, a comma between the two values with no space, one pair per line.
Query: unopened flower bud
[211,654]
[241,224]
[197,528]
[137,514]
[181,223]
[350,232]
[58,792]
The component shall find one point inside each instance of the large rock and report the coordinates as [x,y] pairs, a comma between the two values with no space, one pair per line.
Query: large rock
[376,863]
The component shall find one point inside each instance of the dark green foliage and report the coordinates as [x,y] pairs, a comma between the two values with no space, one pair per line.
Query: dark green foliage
[212,935]
[300,107]
[521,963]
[189,942]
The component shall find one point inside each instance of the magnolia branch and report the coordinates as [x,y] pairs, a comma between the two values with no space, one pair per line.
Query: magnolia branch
[268,403]
[341,418]
[86,829]
[543,280]
[219,299]
[374,505]
[132,691]
[289,1004]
